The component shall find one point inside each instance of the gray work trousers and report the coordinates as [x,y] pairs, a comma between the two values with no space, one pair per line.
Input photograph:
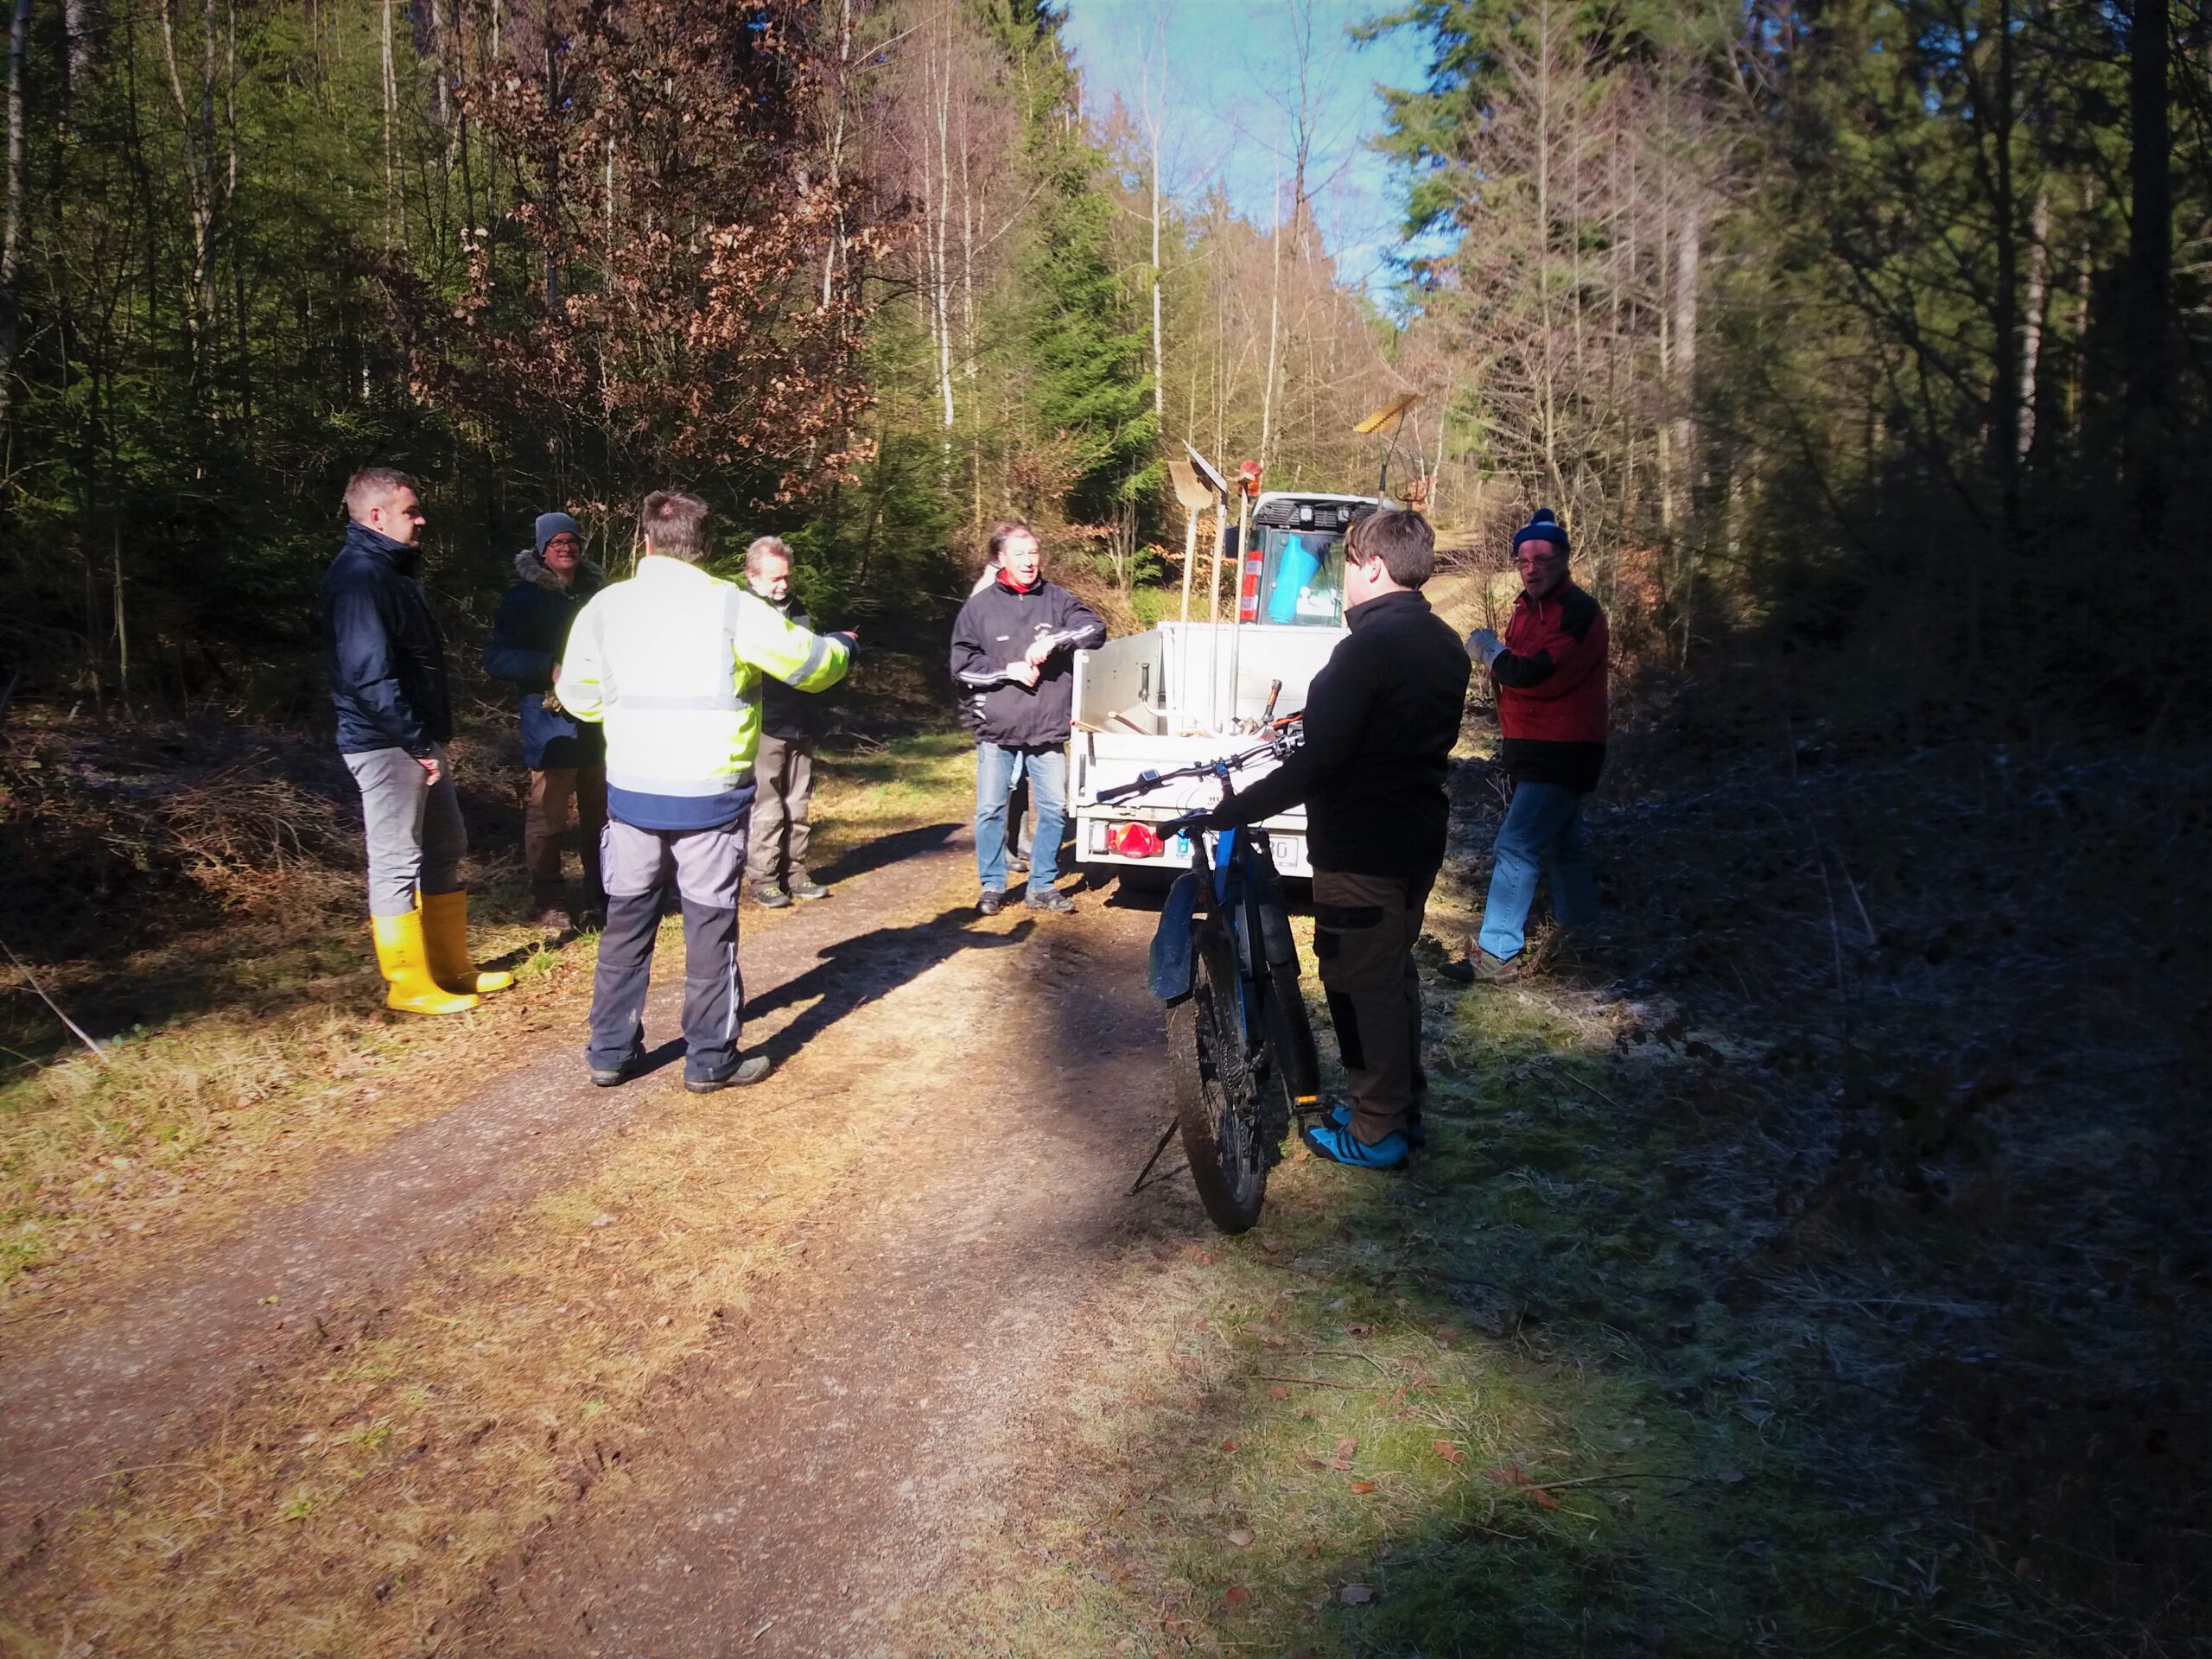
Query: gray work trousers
[637,865]
[414,833]
[1365,927]
[783,772]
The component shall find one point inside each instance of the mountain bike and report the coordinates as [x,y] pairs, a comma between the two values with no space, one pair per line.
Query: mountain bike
[1240,1058]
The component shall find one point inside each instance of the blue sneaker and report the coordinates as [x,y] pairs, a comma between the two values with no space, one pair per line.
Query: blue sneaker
[1340,1146]
[1416,1136]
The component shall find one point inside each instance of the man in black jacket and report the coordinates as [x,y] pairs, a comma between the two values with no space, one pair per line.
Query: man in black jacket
[1013,648]
[782,768]
[386,660]
[567,757]
[1381,720]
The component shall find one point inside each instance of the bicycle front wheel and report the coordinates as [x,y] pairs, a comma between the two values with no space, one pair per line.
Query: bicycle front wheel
[1212,1086]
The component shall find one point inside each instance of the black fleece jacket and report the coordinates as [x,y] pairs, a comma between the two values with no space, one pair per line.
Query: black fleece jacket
[1381,719]
[996,626]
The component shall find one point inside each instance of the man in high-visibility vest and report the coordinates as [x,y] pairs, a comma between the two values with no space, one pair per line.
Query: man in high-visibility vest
[670,662]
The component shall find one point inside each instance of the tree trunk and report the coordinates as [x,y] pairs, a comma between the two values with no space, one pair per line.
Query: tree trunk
[2005,379]
[2032,316]
[11,233]
[2150,264]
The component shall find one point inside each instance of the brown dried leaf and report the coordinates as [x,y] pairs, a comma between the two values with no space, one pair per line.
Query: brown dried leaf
[1355,1595]
[1448,1452]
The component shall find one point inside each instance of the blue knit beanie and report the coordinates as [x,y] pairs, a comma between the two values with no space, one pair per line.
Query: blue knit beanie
[1544,526]
[550,525]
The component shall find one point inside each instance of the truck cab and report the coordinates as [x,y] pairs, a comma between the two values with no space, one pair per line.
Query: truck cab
[1186,692]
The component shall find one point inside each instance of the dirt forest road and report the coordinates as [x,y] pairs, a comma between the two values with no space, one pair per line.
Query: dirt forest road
[814,1468]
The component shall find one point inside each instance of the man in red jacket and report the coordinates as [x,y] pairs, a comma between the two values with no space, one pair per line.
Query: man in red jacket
[1550,669]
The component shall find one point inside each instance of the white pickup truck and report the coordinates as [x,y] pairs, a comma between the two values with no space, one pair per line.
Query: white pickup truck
[1185,692]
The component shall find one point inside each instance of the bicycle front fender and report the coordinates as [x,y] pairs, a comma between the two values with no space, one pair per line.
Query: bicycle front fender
[1172,956]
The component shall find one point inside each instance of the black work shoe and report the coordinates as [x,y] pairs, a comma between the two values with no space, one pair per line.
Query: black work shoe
[1018,863]
[991,903]
[1052,899]
[1461,972]
[608,1077]
[751,1069]
[770,897]
[809,889]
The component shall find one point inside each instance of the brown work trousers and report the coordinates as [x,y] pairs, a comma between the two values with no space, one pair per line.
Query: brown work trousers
[1363,931]
[545,820]
[783,786]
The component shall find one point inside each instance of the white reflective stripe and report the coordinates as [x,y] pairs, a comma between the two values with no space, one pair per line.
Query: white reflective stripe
[729,1019]
[712,702]
[817,653]
[678,787]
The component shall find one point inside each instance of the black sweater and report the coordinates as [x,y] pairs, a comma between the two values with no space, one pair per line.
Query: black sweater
[1380,720]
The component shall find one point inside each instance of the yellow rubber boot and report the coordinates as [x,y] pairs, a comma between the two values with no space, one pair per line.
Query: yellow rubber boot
[400,954]
[445,932]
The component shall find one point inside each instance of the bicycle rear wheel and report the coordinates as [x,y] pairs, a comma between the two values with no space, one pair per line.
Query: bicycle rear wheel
[1213,1088]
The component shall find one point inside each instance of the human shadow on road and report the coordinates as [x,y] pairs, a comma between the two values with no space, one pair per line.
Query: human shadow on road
[886,850]
[854,972]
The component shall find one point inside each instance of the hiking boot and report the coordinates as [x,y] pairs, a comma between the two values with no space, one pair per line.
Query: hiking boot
[751,1069]
[551,900]
[1017,863]
[1051,899]
[1490,971]
[991,903]
[770,897]
[608,1077]
[806,887]
[1340,1145]
[1416,1136]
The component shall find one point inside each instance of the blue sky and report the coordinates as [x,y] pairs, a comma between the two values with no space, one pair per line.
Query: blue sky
[1230,77]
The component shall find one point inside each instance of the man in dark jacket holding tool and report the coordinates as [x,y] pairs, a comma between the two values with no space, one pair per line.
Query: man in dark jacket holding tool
[386,660]
[567,757]
[1380,720]
[783,770]
[1013,648]
[1550,669]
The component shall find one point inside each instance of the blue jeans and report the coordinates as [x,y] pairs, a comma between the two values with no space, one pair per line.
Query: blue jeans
[1542,830]
[995,771]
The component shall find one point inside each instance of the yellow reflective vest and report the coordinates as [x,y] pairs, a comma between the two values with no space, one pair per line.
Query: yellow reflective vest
[670,663]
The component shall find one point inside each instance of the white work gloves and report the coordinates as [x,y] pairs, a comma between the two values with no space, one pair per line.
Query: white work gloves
[1485,646]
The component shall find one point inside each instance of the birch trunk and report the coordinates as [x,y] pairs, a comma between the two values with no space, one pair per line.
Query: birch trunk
[2031,338]
[19,26]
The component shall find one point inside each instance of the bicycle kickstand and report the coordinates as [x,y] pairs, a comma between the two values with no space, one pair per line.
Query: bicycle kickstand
[1166,1136]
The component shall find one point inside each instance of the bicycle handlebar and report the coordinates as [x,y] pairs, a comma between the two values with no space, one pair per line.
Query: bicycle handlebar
[1146,782]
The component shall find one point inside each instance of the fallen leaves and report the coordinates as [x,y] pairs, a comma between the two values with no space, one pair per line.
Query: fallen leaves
[1241,1537]
[1448,1452]
[1363,1487]
[1237,1596]
[1355,1595]
[1511,1474]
